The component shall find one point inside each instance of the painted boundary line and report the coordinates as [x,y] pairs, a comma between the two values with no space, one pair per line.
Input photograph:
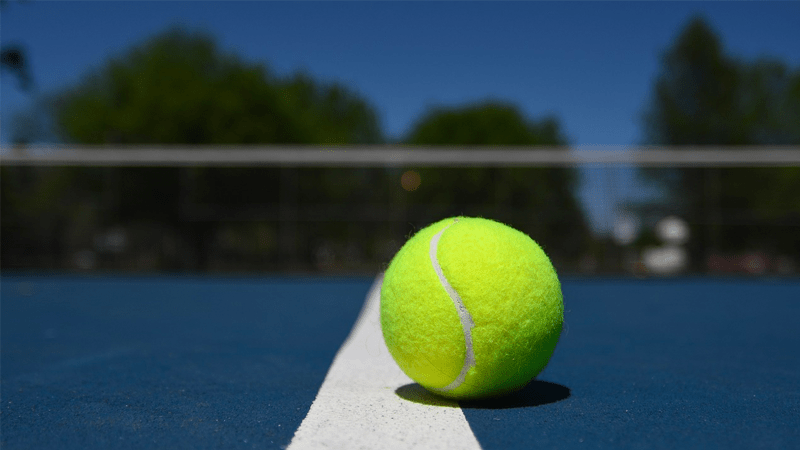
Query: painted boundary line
[395,156]
[357,406]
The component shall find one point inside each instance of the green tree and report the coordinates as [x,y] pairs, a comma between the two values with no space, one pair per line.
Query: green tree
[703,97]
[540,201]
[695,95]
[180,88]
[769,103]
[489,123]
[330,114]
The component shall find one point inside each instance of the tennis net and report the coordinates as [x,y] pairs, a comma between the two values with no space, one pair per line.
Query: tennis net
[278,209]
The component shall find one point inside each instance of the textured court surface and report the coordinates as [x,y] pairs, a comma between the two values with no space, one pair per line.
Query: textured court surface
[190,362]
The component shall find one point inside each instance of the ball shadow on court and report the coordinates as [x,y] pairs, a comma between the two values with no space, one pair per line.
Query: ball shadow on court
[536,393]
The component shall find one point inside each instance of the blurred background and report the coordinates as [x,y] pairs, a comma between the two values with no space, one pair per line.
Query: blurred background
[318,77]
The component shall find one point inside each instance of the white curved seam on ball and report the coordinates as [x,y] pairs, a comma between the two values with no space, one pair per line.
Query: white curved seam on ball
[464,316]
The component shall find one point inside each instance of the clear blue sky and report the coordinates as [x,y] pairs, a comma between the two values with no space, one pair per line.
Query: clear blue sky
[591,64]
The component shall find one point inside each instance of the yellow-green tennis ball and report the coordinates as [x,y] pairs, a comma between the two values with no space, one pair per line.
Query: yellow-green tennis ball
[471,308]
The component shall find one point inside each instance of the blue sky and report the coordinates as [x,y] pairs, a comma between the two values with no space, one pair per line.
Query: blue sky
[590,64]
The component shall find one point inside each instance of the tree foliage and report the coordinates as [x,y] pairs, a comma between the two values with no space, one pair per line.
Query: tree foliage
[179,88]
[704,97]
[490,123]
[330,114]
[540,201]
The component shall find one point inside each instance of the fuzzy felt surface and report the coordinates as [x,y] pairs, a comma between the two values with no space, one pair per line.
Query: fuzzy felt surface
[507,284]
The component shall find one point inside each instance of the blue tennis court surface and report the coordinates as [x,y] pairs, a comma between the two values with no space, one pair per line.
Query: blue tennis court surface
[198,362]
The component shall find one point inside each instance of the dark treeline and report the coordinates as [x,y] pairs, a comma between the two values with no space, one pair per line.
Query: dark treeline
[704,97]
[179,88]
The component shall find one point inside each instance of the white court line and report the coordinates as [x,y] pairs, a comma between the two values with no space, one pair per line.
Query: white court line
[357,406]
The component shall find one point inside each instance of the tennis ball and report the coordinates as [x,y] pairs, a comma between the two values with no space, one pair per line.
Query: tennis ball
[471,308]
